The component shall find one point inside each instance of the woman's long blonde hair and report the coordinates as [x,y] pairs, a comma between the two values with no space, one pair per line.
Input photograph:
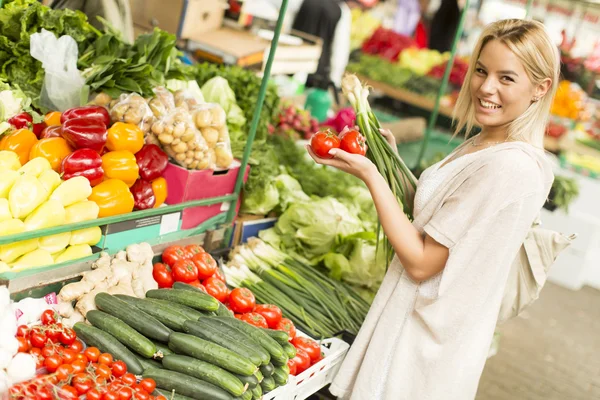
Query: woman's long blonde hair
[540,57]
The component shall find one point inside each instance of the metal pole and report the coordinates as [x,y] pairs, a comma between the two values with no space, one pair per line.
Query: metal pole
[256,117]
[444,85]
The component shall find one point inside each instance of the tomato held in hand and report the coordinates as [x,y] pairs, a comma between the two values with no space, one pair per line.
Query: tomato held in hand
[185,271]
[322,142]
[48,317]
[302,361]
[287,326]
[310,346]
[353,142]
[216,288]
[271,312]
[255,319]
[242,300]
[206,264]
[173,254]
[163,275]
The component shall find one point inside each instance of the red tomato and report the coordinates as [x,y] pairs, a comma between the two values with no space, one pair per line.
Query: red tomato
[125,393]
[68,392]
[148,385]
[185,271]
[64,372]
[322,142]
[24,344]
[67,336]
[92,354]
[242,300]
[79,366]
[163,275]
[106,359]
[82,357]
[173,254]
[48,317]
[161,397]
[310,346]
[128,379]
[103,371]
[82,383]
[38,339]
[68,356]
[193,249]
[22,331]
[119,368]
[76,346]
[219,275]
[287,326]
[216,288]
[111,396]
[93,394]
[302,361]
[255,319]
[141,395]
[198,285]
[292,366]
[53,362]
[53,332]
[44,393]
[271,312]
[49,350]
[353,142]
[207,266]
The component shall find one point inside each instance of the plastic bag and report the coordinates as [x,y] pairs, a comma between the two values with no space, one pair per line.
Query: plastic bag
[180,139]
[162,103]
[188,98]
[132,109]
[62,81]
[211,121]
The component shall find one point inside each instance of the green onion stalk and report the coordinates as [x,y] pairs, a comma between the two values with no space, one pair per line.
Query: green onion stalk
[379,151]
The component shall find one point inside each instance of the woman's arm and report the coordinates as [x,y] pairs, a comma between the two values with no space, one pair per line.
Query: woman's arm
[421,257]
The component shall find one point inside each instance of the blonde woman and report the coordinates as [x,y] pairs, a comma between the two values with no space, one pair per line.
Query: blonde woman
[430,327]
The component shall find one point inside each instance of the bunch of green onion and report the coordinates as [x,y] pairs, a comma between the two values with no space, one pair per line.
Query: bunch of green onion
[320,306]
[386,159]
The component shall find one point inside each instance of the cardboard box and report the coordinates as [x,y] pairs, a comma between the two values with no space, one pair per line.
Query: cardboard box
[187,185]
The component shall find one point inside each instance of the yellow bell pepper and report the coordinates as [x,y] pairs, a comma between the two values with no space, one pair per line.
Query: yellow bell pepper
[120,165]
[5,214]
[159,188]
[49,214]
[10,252]
[90,236]
[74,253]
[4,267]
[20,141]
[81,211]
[36,258]
[11,227]
[26,195]
[35,166]
[113,197]
[55,243]
[7,180]
[72,191]
[53,149]
[53,118]
[9,160]
[124,136]
[50,180]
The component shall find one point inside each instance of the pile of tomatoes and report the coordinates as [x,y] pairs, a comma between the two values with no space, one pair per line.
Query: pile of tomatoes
[349,140]
[67,370]
[308,353]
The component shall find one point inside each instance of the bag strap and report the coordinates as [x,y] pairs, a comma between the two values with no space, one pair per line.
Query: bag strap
[535,259]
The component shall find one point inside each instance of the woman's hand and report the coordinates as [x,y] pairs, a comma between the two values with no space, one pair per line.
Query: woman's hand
[389,137]
[354,164]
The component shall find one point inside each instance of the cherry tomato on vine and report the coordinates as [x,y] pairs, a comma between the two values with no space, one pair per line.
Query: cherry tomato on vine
[148,385]
[93,394]
[24,344]
[82,383]
[68,356]
[119,368]
[79,366]
[76,346]
[106,359]
[104,371]
[323,141]
[43,393]
[67,336]
[53,332]
[92,354]
[53,362]
[64,372]
[111,396]
[22,331]
[128,379]
[48,317]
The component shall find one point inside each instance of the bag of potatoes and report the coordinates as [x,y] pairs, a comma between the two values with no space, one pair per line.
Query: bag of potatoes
[210,119]
[179,138]
[132,109]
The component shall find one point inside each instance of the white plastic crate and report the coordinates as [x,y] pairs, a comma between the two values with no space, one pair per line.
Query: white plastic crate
[317,376]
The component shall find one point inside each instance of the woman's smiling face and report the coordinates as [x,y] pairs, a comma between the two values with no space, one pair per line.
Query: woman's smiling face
[500,89]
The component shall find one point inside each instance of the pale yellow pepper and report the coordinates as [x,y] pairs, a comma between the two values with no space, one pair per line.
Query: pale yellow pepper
[36,166]
[55,243]
[12,227]
[74,253]
[49,214]
[50,179]
[5,214]
[33,259]
[4,267]
[7,180]
[10,252]
[81,211]
[9,160]
[26,195]
[89,236]
[72,191]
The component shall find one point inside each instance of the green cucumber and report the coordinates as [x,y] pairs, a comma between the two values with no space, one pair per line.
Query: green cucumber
[267,370]
[189,312]
[163,349]
[268,384]
[224,311]
[290,350]
[171,318]
[259,376]
[133,316]
[268,343]
[186,385]
[108,344]
[147,363]
[210,352]
[249,380]
[221,312]
[205,371]
[222,338]
[171,395]
[122,332]
[280,337]
[246,396]
[257,393]
[197,299]
[280,376]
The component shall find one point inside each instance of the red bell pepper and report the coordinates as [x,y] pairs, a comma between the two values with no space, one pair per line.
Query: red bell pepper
[152,162]
[85,133]
[97,112]
[143,195]
[51,131]
[83,162]
[25,121]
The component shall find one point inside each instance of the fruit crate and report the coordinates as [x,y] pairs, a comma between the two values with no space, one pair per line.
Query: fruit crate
[317,376]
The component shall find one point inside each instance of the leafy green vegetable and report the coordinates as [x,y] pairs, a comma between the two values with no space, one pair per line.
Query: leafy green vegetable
[290,192]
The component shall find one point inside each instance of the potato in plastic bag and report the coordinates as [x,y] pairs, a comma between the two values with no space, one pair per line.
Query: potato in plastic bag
[188,99]
[162,103]
[211,120]
[181,140]
[132,109]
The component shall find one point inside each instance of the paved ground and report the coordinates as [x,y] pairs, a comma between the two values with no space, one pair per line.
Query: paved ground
[551,353]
